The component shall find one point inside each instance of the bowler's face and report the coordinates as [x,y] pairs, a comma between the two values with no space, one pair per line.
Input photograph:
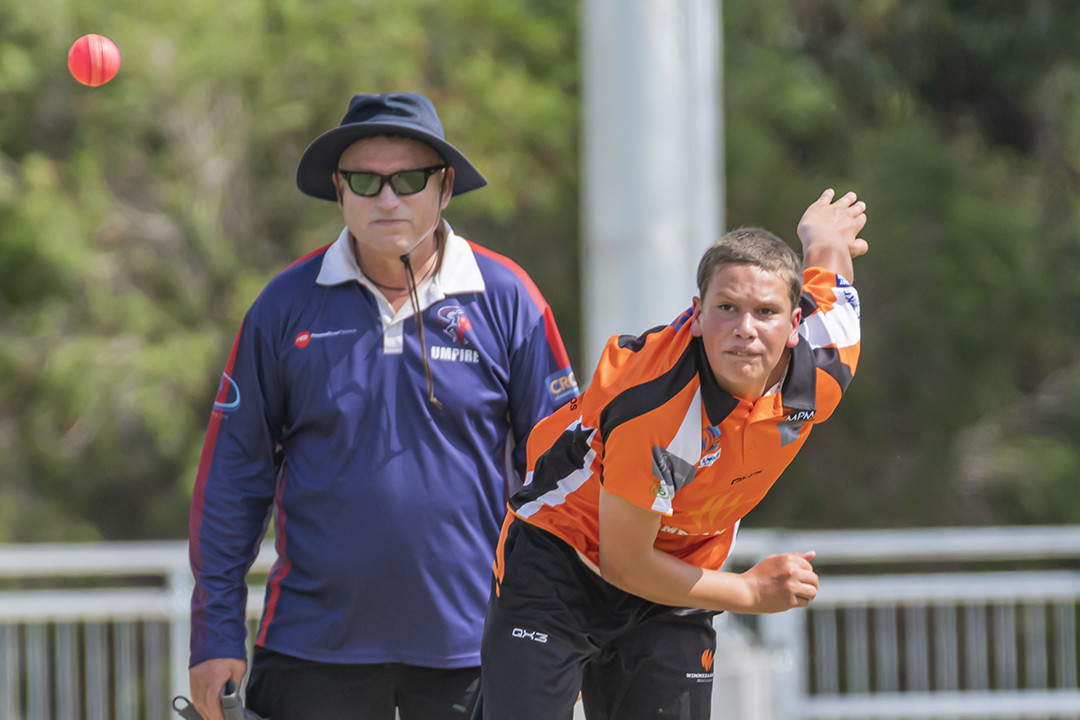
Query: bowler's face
[388,225]
[746,323]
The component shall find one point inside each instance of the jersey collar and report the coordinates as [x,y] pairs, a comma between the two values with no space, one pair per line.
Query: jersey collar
[797,390]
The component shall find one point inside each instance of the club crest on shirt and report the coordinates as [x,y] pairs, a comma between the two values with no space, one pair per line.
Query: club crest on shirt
[454,323]
[710,446]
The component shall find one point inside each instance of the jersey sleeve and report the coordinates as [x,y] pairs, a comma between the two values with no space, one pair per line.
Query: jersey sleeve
[541,378]
[831,326]
[233,493]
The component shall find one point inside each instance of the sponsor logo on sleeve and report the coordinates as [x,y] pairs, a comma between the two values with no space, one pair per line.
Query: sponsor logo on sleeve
[231,398]
[792,425]
[561,386]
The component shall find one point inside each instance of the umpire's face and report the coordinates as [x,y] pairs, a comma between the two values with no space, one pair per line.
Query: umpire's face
[390,224]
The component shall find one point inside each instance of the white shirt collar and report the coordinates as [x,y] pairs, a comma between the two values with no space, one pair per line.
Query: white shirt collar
[458,274]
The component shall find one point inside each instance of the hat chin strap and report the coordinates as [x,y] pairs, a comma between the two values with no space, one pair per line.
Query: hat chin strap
[438,221]
[410,283]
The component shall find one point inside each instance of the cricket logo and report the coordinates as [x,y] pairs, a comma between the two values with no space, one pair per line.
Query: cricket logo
[454,322]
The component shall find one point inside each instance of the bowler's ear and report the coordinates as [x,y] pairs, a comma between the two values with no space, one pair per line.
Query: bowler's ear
[695,318]
[796,320]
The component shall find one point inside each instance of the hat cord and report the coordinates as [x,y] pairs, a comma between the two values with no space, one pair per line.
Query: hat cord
[410,281]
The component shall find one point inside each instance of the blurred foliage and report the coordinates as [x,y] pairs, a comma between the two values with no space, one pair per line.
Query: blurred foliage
[959,123]
[139,220]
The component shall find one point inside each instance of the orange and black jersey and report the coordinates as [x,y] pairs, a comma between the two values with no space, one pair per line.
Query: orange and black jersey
[655,428]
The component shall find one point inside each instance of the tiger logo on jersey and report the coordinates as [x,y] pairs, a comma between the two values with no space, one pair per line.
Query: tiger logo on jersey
[454,322]
[710,446]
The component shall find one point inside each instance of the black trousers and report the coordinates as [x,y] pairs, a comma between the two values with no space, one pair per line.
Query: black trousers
[281,687]
[556,627]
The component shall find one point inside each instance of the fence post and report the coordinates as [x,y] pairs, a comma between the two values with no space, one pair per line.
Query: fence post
[783,635]
[180,585]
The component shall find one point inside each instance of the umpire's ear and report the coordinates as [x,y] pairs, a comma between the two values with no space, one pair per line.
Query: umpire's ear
[337,179]
[447,184]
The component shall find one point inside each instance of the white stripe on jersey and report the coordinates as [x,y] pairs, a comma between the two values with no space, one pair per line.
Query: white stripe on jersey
[565,485]
[686,445]
[839,326]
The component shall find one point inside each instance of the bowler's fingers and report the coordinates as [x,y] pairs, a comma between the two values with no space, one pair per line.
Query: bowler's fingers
[850,201]
[805,591]
[808,581]
[856,210]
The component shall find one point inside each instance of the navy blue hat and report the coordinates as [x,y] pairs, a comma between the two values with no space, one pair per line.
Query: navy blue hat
[405,114]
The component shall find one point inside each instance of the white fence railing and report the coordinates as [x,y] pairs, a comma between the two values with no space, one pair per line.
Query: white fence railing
[933,623]
[97,630]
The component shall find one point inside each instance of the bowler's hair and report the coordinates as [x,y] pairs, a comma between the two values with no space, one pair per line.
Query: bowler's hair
[755,247]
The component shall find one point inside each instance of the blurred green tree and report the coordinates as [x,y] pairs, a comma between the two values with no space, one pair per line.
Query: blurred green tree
[957,122]
[139,220]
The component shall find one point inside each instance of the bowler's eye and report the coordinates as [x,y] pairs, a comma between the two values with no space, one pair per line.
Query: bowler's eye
[725,307]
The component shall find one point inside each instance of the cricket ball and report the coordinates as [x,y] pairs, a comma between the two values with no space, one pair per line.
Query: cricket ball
[94,60]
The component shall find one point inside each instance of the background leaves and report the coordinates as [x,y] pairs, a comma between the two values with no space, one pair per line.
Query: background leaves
[140,219]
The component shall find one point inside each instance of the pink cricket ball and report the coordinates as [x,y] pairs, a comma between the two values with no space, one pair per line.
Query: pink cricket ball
[94,60]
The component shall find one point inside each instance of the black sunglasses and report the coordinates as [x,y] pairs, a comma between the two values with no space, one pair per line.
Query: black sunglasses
[406,182]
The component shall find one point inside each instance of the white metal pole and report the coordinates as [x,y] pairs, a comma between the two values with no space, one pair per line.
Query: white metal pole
[652,196]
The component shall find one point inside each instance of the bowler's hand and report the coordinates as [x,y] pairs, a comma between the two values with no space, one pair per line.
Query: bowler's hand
[839,221]
[206,680]
[782,582]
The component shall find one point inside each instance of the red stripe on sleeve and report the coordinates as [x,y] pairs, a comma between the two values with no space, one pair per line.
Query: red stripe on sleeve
[281,567]
[198,498]
[551,330]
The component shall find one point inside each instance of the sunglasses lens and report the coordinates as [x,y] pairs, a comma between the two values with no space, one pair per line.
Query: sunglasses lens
[409,182]
[406,182]
[365,184]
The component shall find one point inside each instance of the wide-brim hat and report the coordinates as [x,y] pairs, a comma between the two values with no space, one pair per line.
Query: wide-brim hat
[407,115]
